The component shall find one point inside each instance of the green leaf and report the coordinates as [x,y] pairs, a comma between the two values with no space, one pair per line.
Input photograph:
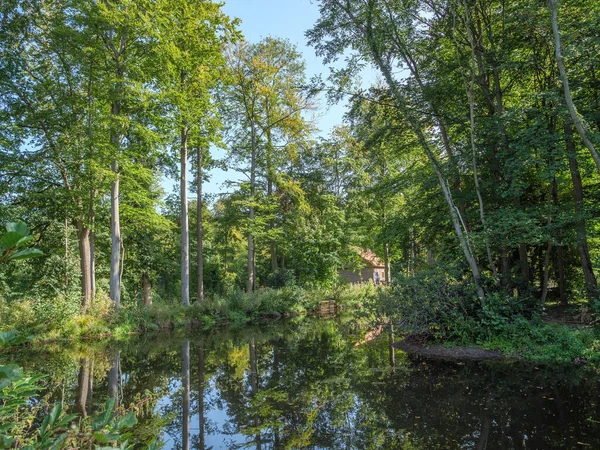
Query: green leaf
[102,419]
[126,421]
[27,253]
[24,241]
[18,227]
[100,437]
[65,421]
[59,441]
[50,419]
[6,442]
[7,337]
[11,372]
[10,239]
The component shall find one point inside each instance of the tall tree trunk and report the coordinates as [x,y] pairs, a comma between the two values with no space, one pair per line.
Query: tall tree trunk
[506,269]
[591,284]
[386,261]
[251,282]
[200,233]
[93,261]
[185,232]
[424,143]
[185,368]
[146,289]
[270,171]
[83,238]
[545,279]
[115,221]
[66,261]
[580,124]
[562,280]
[474,150]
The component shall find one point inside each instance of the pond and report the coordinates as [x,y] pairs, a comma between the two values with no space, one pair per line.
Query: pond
[305,383]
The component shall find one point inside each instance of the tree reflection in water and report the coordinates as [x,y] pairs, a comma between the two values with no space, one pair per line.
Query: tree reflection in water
[304,384]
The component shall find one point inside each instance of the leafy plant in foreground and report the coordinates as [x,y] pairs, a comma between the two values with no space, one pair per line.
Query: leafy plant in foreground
[13,243]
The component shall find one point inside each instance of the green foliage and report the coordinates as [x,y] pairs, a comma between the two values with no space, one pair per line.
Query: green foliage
[12,243]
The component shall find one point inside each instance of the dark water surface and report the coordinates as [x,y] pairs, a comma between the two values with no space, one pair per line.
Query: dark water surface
[306,384]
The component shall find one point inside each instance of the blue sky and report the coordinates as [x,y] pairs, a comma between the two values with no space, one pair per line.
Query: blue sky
[283,19]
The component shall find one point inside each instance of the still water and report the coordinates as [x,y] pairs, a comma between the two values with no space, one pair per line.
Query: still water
[306,383]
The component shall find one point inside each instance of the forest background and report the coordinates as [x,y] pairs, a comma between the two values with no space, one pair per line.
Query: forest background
[470,165]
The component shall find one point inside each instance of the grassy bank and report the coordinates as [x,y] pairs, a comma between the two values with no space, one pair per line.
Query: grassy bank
[60,319]
[446,310]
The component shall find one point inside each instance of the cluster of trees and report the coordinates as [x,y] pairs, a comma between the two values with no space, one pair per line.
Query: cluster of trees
[477,146]
[495,104]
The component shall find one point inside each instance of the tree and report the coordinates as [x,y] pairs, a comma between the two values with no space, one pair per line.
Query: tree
[266,105]
[191,56]
[381,32]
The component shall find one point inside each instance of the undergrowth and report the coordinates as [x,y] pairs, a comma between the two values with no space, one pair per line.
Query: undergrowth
[444,307]
[61,319]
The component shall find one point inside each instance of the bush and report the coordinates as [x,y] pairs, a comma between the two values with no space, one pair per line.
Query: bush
[430,302]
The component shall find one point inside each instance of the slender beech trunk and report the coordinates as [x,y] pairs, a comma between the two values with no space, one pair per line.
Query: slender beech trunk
[83,238]
[251,281]
[273,244]
[591,284]
[270,172]
[546,267]
[93,261]
[562,280]
[92,212]
[115,221]
[386,261]
[200,232]
[185,368]
[474,149]
[66,261]
[185,232]
[506,268]
[392,349]
[580,124]
[146,289]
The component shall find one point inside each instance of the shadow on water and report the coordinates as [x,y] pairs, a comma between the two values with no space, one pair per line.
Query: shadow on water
[305,384]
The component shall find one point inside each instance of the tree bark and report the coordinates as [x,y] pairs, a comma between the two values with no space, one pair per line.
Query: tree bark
[251,281]
[580,125]
[422,139]
[83,238]
[146,289]
[386,261]
[115,221]
[562,281]
[185,232]
[474,151]
[591,284]
[200,233]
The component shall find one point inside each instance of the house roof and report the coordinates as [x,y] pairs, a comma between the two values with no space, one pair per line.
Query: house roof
[370,257]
